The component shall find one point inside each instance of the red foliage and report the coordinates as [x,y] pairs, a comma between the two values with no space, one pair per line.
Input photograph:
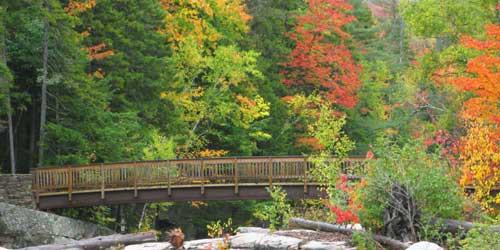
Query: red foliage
[347,215]
[320,59]
[343,216]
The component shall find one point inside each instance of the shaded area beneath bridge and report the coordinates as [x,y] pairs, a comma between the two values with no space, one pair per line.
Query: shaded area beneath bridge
[160,194]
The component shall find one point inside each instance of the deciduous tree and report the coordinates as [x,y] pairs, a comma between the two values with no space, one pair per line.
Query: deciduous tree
[321,59]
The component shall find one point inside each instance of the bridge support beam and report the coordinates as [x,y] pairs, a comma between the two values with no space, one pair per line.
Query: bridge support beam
[221,193]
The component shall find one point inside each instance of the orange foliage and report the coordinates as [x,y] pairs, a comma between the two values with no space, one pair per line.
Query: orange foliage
[484,78]
[94,52]
[480,148]
[310,143]
[76,7]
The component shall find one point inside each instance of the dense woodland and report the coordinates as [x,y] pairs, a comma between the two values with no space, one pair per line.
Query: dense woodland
[405,82]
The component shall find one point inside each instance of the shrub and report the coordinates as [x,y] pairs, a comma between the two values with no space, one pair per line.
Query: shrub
[363,241]
[278,211]
[482,238]
[427,177]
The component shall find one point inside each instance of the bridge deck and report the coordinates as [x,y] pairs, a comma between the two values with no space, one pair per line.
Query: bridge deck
[234,178]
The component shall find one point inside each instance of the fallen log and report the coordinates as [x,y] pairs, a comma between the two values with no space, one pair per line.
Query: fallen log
[101,242]
[454,226]
[327,227]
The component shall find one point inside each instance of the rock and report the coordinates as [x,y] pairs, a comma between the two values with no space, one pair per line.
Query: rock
[205,244]
[252,230]
[246,240]
[22,227]
[318,245]
[278,242]
[424,245]
[264,241]
[150,246]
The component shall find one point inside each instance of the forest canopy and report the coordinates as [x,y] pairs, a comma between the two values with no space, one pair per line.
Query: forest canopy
[92,81]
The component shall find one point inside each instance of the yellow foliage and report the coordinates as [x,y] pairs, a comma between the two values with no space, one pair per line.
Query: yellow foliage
[207,153]
[252,110]
[480,154]
[188,18]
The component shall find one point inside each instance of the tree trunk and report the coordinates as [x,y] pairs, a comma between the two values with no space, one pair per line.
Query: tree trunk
[11,137]
[143,214]
[32,151]
[326,227]
[101,242]
[9,113]
[43,106]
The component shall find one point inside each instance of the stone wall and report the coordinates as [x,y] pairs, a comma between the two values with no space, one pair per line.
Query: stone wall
[16,190]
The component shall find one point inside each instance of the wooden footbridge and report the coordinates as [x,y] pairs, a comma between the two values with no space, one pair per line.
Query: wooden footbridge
[231,178]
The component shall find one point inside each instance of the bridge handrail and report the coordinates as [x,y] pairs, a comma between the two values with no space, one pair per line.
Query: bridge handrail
[354,158]
[176,172]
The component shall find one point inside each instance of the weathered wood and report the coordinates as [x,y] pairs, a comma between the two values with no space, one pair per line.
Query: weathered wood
[235,173]
[326,227]
[305,176]
[401,215]
[101,242]
[202,172]
[168,180]
[455,226]
[102,182]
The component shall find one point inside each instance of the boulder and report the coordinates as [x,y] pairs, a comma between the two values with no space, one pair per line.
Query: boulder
[252,230]
[205,244]
[264,241]
[150,246]
[278,242]
[424,245]
[23,227]
[318,245]
[246,240]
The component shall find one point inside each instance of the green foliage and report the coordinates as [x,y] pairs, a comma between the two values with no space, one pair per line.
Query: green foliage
[427,177]
[363,241]
[100,215]
[434,233]
[217,229]
[449,18]
[277,212]
[148,216]
[135,70]
[160,148]
[482,238]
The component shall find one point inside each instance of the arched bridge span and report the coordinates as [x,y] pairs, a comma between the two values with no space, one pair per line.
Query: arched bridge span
[231,178]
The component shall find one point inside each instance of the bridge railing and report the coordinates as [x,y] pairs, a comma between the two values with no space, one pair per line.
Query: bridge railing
[175,173]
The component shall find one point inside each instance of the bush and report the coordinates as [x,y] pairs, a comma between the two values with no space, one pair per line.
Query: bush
[481,239]
[363,241]
[427,177]
[277,212]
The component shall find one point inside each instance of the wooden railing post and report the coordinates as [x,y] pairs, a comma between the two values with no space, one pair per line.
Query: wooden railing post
[70,183]
[235,172]
[103,178]
[169,190]
[36,186]
[270,164]
[135,180]
[305,175]
[202,167]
